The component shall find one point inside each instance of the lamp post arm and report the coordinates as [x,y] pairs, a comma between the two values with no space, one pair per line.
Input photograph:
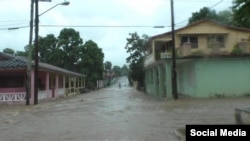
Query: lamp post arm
[49,9]
[63,3]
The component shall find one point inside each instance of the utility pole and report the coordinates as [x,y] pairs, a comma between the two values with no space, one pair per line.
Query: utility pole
[28,85]
[174,79]
[36,52]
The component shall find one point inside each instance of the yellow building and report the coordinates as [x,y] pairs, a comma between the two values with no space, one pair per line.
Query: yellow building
[204,37]
[202,40]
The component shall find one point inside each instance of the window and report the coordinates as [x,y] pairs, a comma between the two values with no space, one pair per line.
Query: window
[216,40]
[190,39]
[167,46]
[11,81]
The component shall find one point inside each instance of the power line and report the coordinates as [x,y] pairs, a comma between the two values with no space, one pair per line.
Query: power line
[210,7]
[8,21]
[112,26]
[12,25]
[14,28]
[91,26]
[215,4]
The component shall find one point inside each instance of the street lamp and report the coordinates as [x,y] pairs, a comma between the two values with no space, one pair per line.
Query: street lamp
[36,43]
[65,3]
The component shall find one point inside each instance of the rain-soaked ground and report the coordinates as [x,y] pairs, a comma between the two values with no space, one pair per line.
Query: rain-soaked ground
[113,114]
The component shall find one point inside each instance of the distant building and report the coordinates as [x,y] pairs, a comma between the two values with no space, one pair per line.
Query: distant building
[108,76]
[208,61]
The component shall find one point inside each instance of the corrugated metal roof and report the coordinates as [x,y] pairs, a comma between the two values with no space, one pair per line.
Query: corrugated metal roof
[8,61]
[11,61]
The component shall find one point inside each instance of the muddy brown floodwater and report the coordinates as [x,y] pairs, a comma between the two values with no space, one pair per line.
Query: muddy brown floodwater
[113,114]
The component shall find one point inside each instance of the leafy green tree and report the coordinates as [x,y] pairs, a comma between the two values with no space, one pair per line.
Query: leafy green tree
[9,51]
[21,53]
[204,13]
[124,70]
[50,52]
[90,62]
[134,47]
[107,65]
[225,17]
[107,71]
[117,70]
[241,13]
[13,52]
[68,41]
[68,51]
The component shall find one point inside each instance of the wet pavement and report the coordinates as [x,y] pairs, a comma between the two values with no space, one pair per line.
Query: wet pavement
[113,114]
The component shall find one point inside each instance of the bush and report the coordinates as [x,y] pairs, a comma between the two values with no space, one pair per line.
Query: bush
[236,50]
[91,85]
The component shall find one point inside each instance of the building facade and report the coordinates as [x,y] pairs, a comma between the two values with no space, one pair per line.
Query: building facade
[201,44]
[53,82]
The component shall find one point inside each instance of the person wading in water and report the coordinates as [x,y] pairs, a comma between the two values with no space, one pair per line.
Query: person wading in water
[120,85]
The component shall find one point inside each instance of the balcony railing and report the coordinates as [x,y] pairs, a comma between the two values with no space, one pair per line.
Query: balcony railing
[165,55]
[12,96]
[61,92]
[150,59]
[44,94]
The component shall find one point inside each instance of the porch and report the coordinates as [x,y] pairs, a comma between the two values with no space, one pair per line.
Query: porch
[51,85]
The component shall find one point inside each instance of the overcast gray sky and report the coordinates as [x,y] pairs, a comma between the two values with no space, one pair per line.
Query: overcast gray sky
[15,13]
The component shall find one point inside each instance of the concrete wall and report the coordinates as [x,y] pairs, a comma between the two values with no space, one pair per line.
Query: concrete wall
[186,79]
[156,81]
[222,77]
[211,77]
[214,77]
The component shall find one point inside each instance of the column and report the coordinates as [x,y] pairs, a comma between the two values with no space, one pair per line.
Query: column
[56,86]
[84,83]
[146,80]
[47,83]
[81,82]
[161,83]
[169,79]
[75,85]
[79,85]
[154,81]
[150,81]
[69,88]
[64,83]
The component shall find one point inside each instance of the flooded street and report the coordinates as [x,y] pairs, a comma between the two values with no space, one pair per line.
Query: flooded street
[113,114]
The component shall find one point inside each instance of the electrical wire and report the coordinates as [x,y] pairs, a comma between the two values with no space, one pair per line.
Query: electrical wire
[214,5]
[93,26]
[112,26]
[99,26]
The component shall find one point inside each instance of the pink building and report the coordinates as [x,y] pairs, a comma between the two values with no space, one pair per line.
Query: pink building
[53,82]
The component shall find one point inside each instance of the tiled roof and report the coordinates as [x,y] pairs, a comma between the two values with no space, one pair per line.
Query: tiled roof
[202,21]
[8,61]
